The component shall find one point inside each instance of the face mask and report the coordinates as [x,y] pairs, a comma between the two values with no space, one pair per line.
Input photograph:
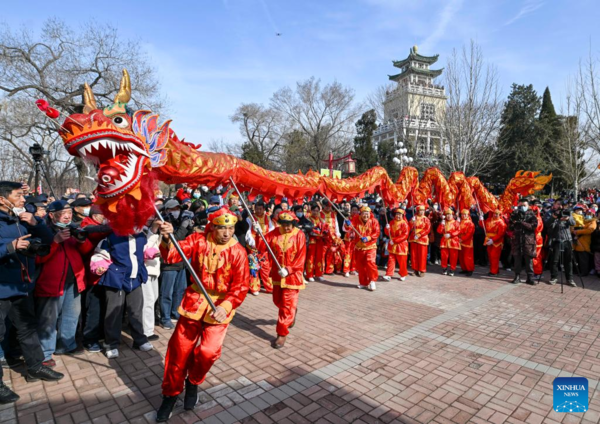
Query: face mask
[175,214]
[523,208]
[589,216]
[160,196]
[62,224]
[86,212]
[196,195]
[299,214]
[18,211]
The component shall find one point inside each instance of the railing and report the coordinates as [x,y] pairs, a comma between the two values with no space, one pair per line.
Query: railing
[407,122]
[430,90]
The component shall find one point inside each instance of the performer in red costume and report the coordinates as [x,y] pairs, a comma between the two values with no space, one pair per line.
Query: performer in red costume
[329,216]
[467,230]
[289,246]
[495,227]
[420,227]
[397,231]
[222,265]
[350,240]
[449,228]
[262,257]
[366,248]
[538,261]
[316,254]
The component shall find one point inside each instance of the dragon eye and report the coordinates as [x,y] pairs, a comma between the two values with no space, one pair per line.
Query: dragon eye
[120,122]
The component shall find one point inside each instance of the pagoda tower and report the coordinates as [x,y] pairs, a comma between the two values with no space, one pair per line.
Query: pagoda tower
[414,107]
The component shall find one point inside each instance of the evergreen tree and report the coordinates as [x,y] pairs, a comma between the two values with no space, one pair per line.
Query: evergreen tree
[386,152]
[364,151]
[519,140]
[551,136]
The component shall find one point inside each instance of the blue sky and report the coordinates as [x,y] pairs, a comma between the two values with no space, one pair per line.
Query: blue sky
[212,55]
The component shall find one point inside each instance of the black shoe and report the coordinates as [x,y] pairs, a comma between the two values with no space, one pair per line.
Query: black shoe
[445,271]
[468,273]
[463,272]
[153,338]
[491,274]
[166,409]
[517,280]
[451,273]
[418,273]
[572,283]
[191,395]
[530,282]
[7,395]
[44,373]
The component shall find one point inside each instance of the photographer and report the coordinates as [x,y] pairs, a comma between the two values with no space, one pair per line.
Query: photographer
[18,229]
[523,223]
[173,276]
[560,244]
[60,284]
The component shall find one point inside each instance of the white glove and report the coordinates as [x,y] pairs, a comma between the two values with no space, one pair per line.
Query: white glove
[391,243]
[490,242]
[447,235]
[458,219]
[257,228]
[481,217]
[414,218]
[283,272]
[416,237]
[387,226]
[443,222]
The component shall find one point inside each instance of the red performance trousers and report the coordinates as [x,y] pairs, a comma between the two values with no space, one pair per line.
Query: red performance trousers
[466,259]
[402,267]
[418,257]
[314,260]
[287,302]
[366,266]
[188,358]
[349,257]
[449,255]
[494,253]
[538,261]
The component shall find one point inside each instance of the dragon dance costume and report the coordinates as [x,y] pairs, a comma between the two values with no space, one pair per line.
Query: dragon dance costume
[197,340]
[495,227]
[366,247]
[398,245]
[419,240]
[467,230]
[450,243]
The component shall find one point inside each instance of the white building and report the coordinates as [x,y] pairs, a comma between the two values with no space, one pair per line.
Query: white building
[413,109]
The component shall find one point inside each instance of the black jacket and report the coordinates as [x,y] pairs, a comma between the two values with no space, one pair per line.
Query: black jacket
[523,225]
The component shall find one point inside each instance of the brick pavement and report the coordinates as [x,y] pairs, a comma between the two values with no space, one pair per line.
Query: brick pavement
[436,349]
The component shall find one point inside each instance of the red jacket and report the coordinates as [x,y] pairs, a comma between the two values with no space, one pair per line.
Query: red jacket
[51,281]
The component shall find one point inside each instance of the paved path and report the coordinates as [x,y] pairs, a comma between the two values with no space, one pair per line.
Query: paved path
[434,349]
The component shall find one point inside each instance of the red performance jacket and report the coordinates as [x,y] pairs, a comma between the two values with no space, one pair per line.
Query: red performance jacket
[51,281]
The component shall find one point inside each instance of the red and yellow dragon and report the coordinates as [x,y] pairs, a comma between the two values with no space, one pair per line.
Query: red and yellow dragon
[132,150]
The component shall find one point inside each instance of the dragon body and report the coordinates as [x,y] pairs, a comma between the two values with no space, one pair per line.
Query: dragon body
[132,151]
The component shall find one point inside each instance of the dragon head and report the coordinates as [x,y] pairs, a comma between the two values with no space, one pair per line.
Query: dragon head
[124,146]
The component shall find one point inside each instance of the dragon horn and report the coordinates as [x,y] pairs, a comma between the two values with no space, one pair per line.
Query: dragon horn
[124,94]
[89,101]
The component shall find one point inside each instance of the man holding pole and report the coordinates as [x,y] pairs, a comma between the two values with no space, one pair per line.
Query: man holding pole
[398,246]
[288,245]
[366,248]
[221,264]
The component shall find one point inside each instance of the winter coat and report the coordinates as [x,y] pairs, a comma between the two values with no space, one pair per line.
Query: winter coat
[14,265]
[523,226]
[584,236]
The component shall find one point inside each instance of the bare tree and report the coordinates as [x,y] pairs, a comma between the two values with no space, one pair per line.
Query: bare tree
[263,130]
[376,99]
[588,86]
[324,115]
[54,66]
[472,119]
[575,159]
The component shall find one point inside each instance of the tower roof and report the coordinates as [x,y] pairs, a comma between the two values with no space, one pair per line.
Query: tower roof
[427,72]
[414,56]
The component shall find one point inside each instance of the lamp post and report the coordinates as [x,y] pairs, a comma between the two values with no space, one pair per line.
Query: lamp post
[402,156]
[349,163]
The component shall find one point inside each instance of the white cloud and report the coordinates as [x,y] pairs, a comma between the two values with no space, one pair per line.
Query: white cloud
[445,18]
[529,6]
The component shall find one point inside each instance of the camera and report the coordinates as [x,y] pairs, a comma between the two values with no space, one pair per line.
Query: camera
[35,248]
[78,233]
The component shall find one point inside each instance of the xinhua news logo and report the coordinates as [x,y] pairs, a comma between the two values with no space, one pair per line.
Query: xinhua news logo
[571,394]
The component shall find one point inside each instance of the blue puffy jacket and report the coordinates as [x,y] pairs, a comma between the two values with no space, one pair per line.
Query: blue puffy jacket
[13,265]
[127,256]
